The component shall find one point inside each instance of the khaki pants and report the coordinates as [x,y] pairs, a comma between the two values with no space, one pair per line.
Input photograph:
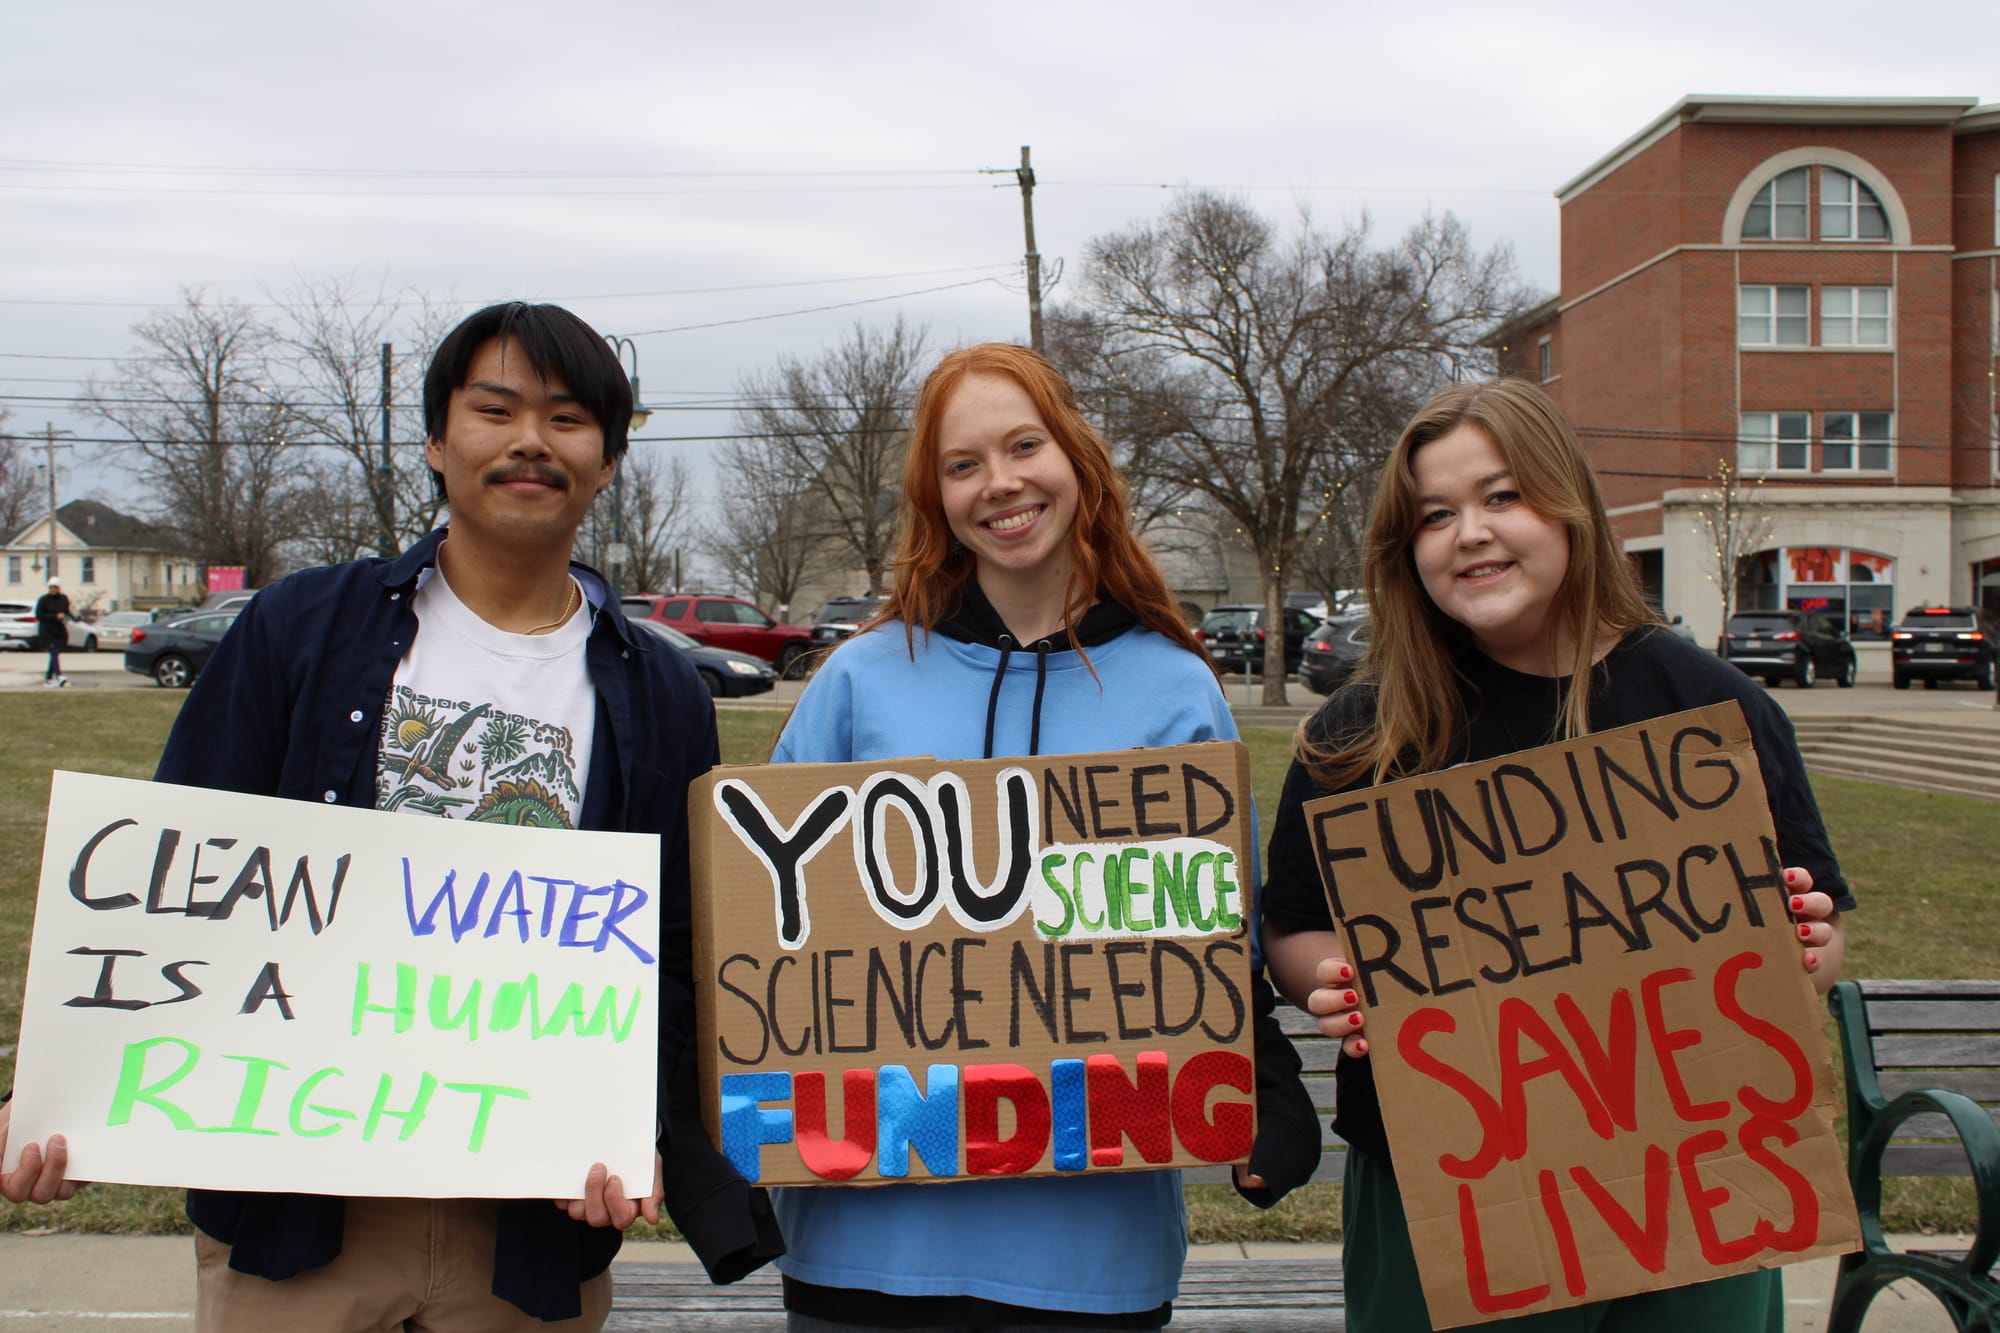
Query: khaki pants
[424,1265]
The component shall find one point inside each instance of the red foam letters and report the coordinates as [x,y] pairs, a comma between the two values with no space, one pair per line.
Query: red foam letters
[827,1157]
[1228,1136]
[986,1152]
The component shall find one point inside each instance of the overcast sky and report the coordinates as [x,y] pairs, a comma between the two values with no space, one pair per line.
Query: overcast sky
[615,156]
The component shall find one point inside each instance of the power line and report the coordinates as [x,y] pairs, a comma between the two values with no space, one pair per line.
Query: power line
[592,296]
[813,310]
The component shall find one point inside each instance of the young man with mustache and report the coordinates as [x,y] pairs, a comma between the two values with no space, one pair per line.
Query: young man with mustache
[357,684]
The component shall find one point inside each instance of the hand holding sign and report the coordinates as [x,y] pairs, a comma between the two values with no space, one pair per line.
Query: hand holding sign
[42,1175]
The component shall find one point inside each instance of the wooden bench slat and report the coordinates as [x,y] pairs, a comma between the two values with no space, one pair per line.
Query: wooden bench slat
[1909,1159]
[1921,987]
[1933,1015]
[1927,1127]
[1981,1085]
[1893,1052]
[1223,1295]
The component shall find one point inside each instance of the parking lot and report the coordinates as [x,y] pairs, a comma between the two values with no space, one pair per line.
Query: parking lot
[1870,698]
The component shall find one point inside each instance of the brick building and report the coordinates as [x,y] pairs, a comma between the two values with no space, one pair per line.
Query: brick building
[1805,289]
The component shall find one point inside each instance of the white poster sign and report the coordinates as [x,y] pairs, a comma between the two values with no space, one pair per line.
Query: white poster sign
[240,992]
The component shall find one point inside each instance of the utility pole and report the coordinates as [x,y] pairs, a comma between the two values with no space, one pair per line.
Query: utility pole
[49,446]
[1026,176]
[386,504]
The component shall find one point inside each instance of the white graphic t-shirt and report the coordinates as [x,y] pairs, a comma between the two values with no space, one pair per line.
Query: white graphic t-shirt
[483,724]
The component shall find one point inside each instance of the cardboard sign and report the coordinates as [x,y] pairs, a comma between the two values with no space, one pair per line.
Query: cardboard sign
[239,992]
[920,971]
[1602,1067]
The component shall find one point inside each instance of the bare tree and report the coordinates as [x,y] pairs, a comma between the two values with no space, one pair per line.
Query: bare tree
[1731,518]
[380,495]
[770,534]
[655,499]
[212,433]
[838,423]
[21,502]
[1257,372]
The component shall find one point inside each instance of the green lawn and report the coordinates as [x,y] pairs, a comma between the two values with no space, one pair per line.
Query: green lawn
[1925,867]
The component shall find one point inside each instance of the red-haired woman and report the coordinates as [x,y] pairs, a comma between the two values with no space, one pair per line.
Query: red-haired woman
[1026,618]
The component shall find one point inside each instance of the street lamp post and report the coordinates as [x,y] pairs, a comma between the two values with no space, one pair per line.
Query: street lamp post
[619,347]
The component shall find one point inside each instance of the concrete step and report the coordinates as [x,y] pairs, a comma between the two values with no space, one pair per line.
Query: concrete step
[1864,759]
[1926,756]
[1969,757]
[1918,777]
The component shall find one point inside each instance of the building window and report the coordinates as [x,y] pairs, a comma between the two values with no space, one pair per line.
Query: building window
[1855,441]
[1850,586]
[1778,213]
[54,570]
[1548,356]
[13,569]
[1854,316]
[1773,316]
[1849,210]
[87,569]
[1774,441]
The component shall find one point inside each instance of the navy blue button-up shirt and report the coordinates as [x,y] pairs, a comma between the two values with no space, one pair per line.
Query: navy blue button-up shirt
[291,705]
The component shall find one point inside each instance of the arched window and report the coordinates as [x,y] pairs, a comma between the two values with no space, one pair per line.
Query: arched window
[1778,213]
[1848,209]
[1817,193]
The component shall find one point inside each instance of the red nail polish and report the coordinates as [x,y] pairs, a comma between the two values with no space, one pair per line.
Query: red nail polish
[1354,1020]
[1804,931]
[1798,904]
[1349,998]
[1346,972]
[1791,876]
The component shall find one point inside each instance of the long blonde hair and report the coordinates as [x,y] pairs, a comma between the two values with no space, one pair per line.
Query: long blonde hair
[1415,651]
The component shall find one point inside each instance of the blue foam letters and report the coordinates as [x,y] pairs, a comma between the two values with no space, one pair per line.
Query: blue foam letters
[926,1121]
[747,1126]
[1067,1111]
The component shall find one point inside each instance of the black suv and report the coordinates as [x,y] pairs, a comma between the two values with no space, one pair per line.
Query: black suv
[840,617]
[1332,652]
[1799,644]
[1937,643]
[1234,637]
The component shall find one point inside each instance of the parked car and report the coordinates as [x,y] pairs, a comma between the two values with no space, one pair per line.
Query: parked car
[1800,645]
[1676,626]
[173,652]
[1332,652]
[114,631]
[840,617]
[728,675]
[724,622]
[20,629]
[1234,636]
[1937,643]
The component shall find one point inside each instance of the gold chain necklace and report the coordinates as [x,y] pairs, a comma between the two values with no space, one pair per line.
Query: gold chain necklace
[569,605]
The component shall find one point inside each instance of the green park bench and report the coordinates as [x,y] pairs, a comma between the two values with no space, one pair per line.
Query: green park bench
[1923,1084]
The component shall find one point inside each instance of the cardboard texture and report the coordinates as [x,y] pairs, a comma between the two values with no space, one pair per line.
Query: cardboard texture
[921,971]
[1601,1066]
[239,992]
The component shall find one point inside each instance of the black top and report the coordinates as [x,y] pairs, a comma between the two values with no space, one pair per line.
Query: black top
[53,608]
[1650,674]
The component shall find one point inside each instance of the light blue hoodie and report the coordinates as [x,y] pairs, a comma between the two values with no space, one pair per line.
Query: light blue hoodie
[1105,1244]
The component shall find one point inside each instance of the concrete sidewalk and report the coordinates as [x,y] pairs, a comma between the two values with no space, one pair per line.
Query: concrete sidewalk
[87,1284]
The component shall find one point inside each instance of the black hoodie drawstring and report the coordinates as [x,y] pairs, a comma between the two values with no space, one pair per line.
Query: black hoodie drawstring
[1042,650]
[1006,645]
[1041,679]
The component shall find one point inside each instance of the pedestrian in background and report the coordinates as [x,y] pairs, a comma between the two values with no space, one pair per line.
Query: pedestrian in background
[52,617]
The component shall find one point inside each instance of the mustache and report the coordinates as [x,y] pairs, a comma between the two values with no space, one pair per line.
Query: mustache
[537,472]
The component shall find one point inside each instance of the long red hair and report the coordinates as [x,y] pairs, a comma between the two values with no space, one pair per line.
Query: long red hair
[931,569]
